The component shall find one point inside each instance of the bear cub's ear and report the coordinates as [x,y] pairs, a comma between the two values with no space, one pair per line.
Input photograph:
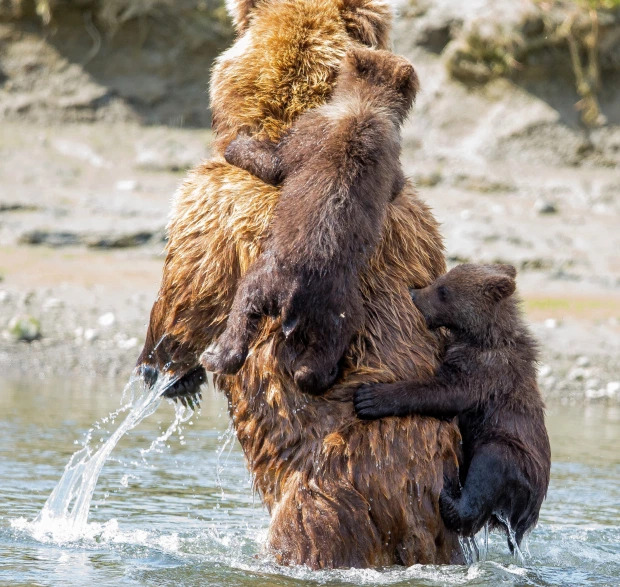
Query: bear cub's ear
[505,268]
[406,80]
[360,61]
[497,287]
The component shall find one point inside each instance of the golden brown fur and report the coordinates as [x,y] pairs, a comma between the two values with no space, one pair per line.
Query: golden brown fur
[341,492]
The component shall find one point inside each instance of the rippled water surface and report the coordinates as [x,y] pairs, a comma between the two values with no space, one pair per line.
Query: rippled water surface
[183,512]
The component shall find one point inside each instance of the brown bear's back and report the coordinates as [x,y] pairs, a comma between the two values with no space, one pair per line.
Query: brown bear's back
[282,65]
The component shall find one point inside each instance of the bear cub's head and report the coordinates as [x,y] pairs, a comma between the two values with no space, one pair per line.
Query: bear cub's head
[378,74]
[467,298]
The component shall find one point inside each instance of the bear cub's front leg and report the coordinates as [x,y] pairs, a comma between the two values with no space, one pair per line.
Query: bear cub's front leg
[254,298]
[380,400]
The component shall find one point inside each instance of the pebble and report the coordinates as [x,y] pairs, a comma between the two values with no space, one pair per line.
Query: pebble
[595,393]
[24,327]
[107,319]
[544,370]
[551,323]
[545,207]
[613,387]
[90,334]
[578,374]
[582,361]
[4,296]
[128,343]
[51,303]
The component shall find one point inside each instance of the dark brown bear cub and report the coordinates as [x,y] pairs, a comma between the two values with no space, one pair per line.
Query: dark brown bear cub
[488,380]
[339,165]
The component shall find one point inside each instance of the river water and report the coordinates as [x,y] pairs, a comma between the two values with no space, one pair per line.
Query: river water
[180,511]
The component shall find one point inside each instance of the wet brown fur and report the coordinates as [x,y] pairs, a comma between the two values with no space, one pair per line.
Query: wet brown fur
[341,492]
[340,167]
[488,379]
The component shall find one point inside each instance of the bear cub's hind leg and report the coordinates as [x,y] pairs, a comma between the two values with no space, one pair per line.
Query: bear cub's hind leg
[481,494]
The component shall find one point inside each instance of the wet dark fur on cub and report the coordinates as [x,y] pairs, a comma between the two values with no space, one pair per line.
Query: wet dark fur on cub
[340,167]
[488,379]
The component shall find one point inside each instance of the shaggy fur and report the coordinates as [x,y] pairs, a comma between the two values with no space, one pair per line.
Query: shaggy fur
[341,492]
[340,166]
[287,60]
[488,379]
[366,21]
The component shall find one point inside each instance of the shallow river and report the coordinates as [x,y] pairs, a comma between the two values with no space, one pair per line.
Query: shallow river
[183,513]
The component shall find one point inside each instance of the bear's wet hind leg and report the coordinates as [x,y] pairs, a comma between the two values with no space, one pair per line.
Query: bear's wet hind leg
[483,488]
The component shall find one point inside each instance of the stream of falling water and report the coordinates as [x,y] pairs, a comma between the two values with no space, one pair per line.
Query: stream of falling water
[64,516]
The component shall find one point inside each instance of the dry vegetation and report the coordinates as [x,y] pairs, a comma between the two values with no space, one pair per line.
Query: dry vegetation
[571,30]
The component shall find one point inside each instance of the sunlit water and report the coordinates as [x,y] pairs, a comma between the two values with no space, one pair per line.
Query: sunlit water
[173,504]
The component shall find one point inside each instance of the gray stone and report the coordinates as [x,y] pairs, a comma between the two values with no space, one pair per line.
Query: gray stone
[24,327]
[545,207]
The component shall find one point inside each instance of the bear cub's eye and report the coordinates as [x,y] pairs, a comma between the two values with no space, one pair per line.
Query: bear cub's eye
[442,293]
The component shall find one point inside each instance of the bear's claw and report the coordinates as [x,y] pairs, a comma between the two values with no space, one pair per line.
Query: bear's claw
[187,389]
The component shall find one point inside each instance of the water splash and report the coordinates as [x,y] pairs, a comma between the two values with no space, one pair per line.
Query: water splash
[469,548]
[65,512]
[181,415]
[486,532]
[511,538]
[228,441]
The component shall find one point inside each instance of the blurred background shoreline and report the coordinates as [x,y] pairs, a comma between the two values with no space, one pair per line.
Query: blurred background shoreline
[104,107]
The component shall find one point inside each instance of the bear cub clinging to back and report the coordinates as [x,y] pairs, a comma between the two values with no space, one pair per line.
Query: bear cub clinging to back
[339,165]
[488,379]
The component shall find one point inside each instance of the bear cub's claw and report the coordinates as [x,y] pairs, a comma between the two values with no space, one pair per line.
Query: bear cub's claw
[225,361]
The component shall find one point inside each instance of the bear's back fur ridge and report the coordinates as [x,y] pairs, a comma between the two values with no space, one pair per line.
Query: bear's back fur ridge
[341,492]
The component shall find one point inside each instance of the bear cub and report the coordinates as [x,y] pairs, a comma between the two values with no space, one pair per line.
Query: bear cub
[488,379]
[339,167]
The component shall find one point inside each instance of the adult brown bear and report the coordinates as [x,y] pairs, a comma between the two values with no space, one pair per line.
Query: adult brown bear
[341,492]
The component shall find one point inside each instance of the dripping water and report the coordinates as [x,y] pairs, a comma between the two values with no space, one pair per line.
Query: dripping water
[470,549]
[511,538]
[227,442]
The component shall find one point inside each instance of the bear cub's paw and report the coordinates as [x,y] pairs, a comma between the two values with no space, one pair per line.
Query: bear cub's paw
[312,380]
[449,511]
[223,360]
[237,150]
[373,401]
